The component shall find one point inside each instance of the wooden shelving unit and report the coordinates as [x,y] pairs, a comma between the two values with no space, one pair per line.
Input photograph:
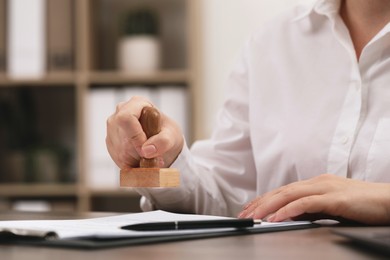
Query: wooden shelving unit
[37,190]
[117,78]
[49,80]
[89,72]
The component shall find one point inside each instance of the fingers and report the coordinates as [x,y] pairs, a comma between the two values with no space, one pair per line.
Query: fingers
[127,142]
[325,195]
[294,198]
[274,200]
[125,136]
[167,144]
[127,120]
[310,204]
[158,144]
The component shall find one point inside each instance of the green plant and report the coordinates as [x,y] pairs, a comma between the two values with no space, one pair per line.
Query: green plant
[141,21]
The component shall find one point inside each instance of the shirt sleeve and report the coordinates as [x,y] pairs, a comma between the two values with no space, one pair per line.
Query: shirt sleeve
[218,175]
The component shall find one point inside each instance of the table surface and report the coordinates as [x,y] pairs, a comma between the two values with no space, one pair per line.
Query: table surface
[317,243]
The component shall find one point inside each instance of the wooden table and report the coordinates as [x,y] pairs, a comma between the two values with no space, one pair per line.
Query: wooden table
[316,243]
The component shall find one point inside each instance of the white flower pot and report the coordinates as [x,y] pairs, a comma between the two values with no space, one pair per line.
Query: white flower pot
[139,54]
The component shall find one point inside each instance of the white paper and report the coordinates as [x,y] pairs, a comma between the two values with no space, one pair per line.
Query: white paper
[109,227]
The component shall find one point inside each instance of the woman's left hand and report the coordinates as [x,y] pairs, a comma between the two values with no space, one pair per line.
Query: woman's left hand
[326,194]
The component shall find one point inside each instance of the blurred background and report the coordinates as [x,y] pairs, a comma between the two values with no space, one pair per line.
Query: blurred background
[65,64]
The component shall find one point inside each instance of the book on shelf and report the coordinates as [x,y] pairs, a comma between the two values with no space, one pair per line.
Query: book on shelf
[106,33]
[60,38]
[173,101]
[2,35]
[26,38]
[102,171]
[127,92]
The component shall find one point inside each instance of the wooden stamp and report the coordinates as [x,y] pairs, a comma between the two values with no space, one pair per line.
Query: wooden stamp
[149,175]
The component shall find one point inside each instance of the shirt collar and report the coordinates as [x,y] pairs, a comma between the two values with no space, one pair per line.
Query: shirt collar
[330,8]
[322,7]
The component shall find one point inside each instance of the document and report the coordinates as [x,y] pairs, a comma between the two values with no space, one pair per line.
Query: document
[110,227]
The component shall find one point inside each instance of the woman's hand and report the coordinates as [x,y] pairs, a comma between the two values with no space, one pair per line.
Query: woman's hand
[326,194]
[126,141]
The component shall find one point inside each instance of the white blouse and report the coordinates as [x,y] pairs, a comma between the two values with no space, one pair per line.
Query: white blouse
[298,104]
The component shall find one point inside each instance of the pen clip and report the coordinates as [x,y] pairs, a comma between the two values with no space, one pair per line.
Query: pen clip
[27,234]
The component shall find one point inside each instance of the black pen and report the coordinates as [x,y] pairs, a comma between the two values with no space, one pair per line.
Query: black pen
[193,224]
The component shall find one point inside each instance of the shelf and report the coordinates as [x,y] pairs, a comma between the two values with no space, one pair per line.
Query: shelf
[118,78]
[37,190]
[114,192]
[49,80]
[115,200]
[101,78]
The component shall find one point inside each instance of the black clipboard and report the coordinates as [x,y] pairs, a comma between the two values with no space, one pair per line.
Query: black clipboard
[93,243]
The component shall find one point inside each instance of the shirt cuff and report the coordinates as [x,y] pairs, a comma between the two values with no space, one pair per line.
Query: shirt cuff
[168,198]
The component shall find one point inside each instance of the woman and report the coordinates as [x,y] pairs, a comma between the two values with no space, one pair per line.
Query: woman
[309,96]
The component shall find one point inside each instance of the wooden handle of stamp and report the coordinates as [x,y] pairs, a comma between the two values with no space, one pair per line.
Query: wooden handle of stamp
[151,124]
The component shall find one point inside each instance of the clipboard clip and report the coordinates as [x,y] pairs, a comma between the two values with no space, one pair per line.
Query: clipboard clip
[22,233]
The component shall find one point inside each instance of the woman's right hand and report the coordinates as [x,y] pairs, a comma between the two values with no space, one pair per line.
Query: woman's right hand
[126,141]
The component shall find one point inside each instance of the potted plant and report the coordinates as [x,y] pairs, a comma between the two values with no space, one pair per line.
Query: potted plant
[139,48]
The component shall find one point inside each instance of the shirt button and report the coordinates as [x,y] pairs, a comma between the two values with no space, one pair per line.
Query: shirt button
[345,140]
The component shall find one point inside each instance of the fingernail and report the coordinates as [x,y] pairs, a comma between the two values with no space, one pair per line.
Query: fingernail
[247,205]
[161,162]
[271,218]
[250,215]
[246,214]
[149,150]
